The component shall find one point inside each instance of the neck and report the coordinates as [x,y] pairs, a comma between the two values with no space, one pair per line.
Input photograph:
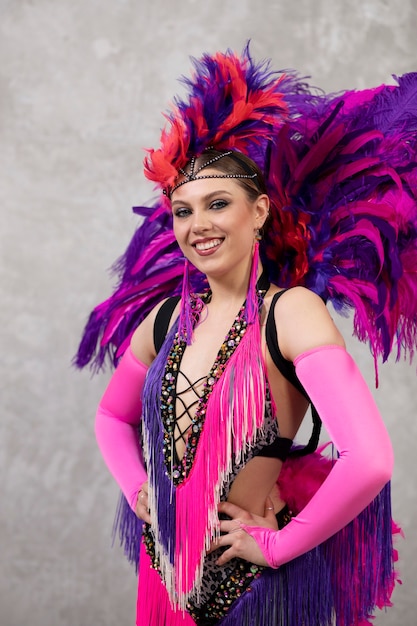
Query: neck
[230,292]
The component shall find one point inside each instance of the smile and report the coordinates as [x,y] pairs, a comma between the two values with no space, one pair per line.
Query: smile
[208,245]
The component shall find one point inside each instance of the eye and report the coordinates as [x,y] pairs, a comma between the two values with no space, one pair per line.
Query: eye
[218,204]
[182,212]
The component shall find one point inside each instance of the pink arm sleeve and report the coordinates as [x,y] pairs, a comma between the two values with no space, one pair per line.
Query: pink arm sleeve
[117,419]
[350,415]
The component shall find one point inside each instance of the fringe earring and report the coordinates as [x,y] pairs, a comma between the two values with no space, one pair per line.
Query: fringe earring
[185,327]
[252,302]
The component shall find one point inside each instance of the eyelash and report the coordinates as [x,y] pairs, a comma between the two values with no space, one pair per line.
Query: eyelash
[182,212]
[222,204]
[216,205]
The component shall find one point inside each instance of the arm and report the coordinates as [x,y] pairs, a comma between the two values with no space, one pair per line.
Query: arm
[352,420]
[351,417]
[117,418]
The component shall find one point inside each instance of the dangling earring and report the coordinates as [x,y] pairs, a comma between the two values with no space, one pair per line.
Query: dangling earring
[252,303]
[185,326]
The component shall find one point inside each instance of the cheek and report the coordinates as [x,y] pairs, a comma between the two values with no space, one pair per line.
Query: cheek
[177,228]
[244,225]
[180,234]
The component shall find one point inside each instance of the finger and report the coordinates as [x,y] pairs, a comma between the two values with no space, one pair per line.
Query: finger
[232,510]
[221,542]
[230,526]
[143,499]
[227,528]
[145,518]
[242,546]
[214,545]
[143,514]
[227,556]
[142,507]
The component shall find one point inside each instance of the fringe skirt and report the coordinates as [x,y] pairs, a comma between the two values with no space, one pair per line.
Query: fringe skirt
[339,583]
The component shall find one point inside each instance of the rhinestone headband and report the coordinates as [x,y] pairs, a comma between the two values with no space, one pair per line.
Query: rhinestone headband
[193,173]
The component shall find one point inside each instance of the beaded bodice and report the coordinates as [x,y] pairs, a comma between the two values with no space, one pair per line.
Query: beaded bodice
[171,398]
[187,400]
[183,411]
[177,469]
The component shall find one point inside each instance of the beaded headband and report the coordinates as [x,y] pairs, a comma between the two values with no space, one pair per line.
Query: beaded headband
[193,173]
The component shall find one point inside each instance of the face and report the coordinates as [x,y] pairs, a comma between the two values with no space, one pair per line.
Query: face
[215,224]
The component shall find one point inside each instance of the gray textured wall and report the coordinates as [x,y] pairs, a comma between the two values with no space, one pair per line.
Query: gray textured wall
[82,85]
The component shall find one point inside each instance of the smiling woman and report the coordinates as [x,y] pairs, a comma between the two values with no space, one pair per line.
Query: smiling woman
[273,201]
[212,218]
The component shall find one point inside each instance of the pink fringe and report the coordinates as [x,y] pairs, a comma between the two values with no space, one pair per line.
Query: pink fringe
[153,604]
[227,431]
[235,411]
[252,304]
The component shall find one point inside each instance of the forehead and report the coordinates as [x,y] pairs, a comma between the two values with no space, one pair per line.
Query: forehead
[201,186]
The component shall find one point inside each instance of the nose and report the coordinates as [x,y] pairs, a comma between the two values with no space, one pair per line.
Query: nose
[200,221]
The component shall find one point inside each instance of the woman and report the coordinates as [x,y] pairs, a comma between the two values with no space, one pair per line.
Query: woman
[222,381]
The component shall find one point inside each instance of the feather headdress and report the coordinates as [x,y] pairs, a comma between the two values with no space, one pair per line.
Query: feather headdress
[342,177]
[233,104]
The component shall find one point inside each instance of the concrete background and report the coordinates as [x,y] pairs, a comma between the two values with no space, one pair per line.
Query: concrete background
[82,84]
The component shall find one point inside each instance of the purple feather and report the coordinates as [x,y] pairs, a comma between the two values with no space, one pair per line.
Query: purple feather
[394,110]
[342,176]
[348,182]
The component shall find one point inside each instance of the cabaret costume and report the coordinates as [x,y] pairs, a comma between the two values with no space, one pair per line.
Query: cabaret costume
[341,175]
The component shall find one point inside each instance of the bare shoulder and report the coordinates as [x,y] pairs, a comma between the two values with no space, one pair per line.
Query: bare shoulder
[142,342]
[298,299]
[303,322]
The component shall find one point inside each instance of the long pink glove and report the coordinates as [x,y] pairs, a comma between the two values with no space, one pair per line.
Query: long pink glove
[350,415]
[117,418]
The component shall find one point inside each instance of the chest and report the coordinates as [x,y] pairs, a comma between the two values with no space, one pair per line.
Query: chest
[192,373]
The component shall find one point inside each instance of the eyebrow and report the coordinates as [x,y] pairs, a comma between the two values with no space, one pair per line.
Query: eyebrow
[205,198]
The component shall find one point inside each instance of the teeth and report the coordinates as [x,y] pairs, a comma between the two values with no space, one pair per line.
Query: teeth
[208,244]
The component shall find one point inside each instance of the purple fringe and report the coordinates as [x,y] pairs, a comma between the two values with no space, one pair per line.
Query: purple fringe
[366,574]
[298,593]
[128,527]
[339,583]
[158,477]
